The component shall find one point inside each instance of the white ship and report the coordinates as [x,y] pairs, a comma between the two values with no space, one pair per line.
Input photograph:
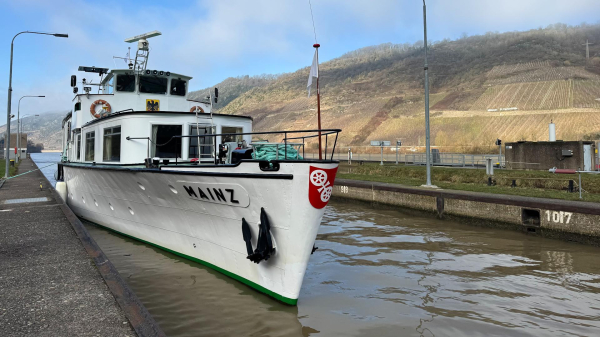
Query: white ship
[143,159]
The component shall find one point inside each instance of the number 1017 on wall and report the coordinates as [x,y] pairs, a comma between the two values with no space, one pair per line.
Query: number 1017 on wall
[559,217]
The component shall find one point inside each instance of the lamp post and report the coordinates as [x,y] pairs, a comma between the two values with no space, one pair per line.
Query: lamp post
[18,157]
[427,148]
[8,103]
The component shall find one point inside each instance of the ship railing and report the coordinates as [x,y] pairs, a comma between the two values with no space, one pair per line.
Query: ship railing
[292,139]
[298,137]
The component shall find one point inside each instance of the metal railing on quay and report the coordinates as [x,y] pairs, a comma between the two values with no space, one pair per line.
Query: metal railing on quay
[437,159]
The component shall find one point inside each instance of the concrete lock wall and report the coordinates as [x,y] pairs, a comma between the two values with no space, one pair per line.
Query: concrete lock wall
[546,155]
[568,220]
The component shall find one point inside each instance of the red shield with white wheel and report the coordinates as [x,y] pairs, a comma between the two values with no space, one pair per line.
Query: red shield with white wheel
[320,186]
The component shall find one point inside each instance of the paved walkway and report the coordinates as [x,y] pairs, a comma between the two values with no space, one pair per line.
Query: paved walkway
[49,284]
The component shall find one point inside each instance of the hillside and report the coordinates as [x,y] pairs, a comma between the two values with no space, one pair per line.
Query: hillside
[233,87]
[377,92]
[42,129]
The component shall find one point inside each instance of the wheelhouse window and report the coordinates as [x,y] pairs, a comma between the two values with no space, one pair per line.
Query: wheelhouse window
[231,138]
[153,84]
[178,87]
[126,82]
[164,145]
[110,86]
[77,106]
[90,139]
[69,132]
[206,143]
[112,144]
[78,146]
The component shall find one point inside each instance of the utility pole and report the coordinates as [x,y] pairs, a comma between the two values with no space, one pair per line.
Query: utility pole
[587,50]
[427,140]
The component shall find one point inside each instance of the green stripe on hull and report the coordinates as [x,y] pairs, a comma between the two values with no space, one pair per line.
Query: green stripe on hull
[258,287]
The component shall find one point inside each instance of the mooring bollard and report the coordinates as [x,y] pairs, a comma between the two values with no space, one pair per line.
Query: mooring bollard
[570,189]
[579,170]
[568,171]
[349,156]
[489,167]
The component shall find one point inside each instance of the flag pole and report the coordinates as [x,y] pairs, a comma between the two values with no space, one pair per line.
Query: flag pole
[316,45]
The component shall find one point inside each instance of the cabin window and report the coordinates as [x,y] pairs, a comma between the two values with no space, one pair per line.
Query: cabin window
[153,84]
[78,147]
[77,106]
[112,144]
[165,146]
[126,83]
[110,86]
[177,87]
[206,143]
[90,139]
[231,138]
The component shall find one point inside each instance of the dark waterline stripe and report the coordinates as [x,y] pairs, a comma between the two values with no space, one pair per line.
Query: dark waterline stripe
[247,282]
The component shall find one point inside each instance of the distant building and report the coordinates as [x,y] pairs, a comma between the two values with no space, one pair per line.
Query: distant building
[546,155]
[13,146]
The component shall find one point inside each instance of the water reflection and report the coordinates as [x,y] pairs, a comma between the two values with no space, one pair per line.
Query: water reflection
[46,163]
[380,272]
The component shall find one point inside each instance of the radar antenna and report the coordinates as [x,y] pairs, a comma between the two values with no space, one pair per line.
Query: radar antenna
[143,50]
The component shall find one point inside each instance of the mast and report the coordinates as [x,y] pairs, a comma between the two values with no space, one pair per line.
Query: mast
[316,45]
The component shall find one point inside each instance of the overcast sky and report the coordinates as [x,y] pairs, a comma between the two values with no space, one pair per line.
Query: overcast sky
[216,39]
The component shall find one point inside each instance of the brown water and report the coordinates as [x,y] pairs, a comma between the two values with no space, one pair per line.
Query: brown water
[382,273]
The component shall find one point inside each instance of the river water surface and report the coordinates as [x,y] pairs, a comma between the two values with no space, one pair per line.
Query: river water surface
[382,272]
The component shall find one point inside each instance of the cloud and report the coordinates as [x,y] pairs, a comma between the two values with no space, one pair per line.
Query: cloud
[476,16]
[212,40]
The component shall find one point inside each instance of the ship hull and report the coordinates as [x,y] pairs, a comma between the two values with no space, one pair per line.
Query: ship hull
[197,213]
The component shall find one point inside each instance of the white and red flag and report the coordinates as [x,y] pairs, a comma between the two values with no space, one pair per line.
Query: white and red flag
[314,70]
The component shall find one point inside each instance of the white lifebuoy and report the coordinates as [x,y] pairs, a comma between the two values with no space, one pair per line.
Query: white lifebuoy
[197,108]
[105,106]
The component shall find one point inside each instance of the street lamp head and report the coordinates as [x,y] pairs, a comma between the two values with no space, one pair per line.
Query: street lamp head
[61,35]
